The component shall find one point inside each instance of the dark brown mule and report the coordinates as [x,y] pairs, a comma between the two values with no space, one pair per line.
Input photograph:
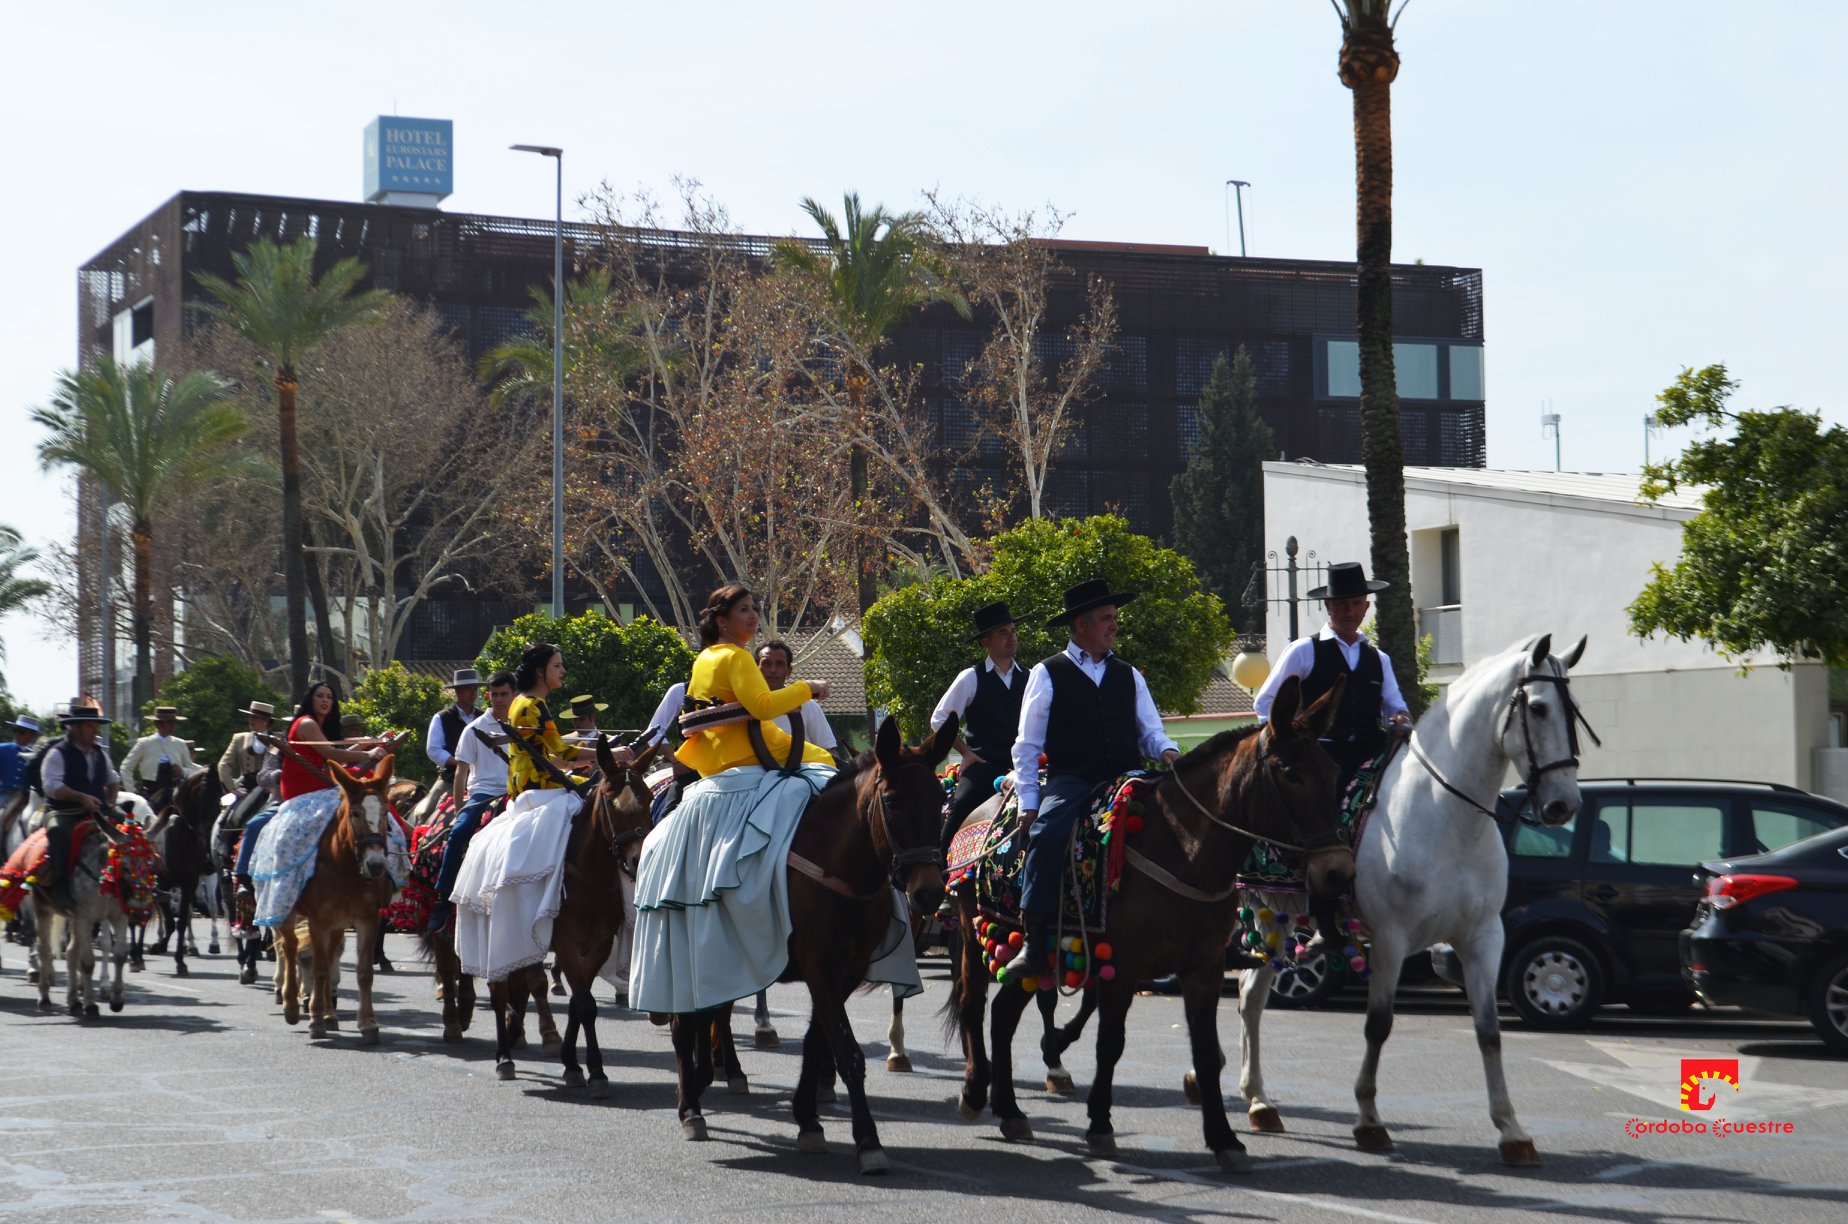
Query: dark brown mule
[457,990]
[873,826]
[182,839]
[606,838]
[349,887]
[1177,907]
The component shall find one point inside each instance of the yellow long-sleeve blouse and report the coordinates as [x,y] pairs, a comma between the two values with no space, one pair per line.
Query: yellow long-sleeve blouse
[531,714]
[729,673]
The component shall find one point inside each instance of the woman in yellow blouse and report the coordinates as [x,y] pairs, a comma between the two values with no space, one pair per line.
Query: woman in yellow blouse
[541,672]
[726,671]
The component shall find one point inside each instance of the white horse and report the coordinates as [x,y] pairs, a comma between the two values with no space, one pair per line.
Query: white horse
[93,908]
[1431,866]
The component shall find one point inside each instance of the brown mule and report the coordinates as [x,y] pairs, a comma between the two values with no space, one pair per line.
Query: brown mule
[1273,780]
[349,887]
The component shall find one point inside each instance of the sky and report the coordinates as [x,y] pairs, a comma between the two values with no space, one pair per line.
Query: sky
[1646,186]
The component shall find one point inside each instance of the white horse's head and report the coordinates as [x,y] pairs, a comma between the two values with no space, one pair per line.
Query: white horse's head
[1539,729]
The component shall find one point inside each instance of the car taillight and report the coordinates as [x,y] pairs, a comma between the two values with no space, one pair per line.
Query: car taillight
[1724,892]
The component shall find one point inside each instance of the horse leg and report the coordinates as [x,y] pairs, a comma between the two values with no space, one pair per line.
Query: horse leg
[1004,1019]
[1200,998]
[82,957]
[815,1058]
[691,1046]
[465,985]
[503,1028]
[370,931]
[567,1049]
[1054,1041]
[1253,993]
[1482,958]
[118,954]
[969,997]
[558,985]
[320,1007]
[831,1012]
[548,1027]
[288,975]
[443,962]
[586,1005]
[898,1059]
[47,924]
[765,1037]
[725,1053]
[1387,956]
[214,902]
[377,944]
[179,938]
[1112,1015]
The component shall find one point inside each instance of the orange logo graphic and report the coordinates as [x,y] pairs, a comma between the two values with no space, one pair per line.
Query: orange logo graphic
[1694,1070]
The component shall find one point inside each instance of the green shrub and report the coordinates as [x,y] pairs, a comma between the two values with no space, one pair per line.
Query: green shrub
[393,698]
[629,666]
[210,692]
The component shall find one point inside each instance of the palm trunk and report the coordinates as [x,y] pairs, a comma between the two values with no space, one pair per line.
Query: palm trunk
[1368,65]
[142,536]
[294,576]
[866,588]
[317,595]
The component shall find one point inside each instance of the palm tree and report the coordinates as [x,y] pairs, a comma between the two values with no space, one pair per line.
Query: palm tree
[16,590]
[1368,64]
[877,269]
[277,306]
[597,341]
[147,437]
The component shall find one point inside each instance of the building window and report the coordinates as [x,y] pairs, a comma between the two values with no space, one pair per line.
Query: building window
[1343,369]
[1450,563]
[1415,370]
[1466,382]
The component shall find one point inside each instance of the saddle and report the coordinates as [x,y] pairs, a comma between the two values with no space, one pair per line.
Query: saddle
[128,868]
[410,912]
[707,715]
[1266,866]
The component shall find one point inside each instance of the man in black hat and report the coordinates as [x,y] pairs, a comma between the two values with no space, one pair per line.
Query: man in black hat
[1090,713]
[445,733]
[79,781]
[986,701]
[1370,703]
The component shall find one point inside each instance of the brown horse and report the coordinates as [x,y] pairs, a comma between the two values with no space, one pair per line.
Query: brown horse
[348,889]
[1177,907]
[873,825]
[606,837]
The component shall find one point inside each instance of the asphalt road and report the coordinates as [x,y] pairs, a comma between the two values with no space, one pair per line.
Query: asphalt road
[197,1103]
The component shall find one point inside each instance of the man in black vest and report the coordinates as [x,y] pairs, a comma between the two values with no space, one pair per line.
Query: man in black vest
[1092,716]
[79,781]
[445,734]
[986,701]
[1370,703]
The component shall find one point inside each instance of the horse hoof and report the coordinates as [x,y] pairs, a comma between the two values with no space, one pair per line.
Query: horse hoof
[1060,1082]
[824,1095]
[552,1043]
[1101,1143]
[873,1161]
[1521,1153]
[812,1142]
[180,969]
[317,1030]
[599,1088]
[504,1070]
[766,1039]
[246,976]
[115,1005]
[558,991]
[384,966]
[900,1063]
[1233,1160]
[693,1129]
[333,1024]
[74,1008]
[369,1036]
[738,1085]
[1190,1084]
[574,1077]
[1017,1128]
[44,1005]
[969,1112]
[452,1035]
[1266,1120]
[1372,1138]
[91,1011]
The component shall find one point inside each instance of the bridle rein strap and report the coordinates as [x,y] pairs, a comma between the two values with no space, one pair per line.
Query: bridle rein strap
[1575,718]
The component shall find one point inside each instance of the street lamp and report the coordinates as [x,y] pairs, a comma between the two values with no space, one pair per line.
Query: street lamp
[1651,425]
[558,377]
[1238,189]
[1549,428]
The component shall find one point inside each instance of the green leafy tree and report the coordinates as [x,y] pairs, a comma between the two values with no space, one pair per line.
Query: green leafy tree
[1762,564]
[16,589]
[629,666]
[1369,62]
[279,307]
[210,692]
[1175,632]
[147,438]
[1219,498]
[393,698]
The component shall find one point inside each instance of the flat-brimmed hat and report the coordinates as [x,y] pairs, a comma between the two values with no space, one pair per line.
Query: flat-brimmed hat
[990,617]
[165,714]
[466,677]
[83,714]
[1087,595]
[587,706]
[259,709]
[27,723]
[1346,579]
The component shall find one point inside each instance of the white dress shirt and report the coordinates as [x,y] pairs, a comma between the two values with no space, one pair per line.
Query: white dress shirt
[815,728]
[956,698]
[436,745]
[487,773]
[52,772]
[667,714]
[1299,661]
[1036,707]
[143,760]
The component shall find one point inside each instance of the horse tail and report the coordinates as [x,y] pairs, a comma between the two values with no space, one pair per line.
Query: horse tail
[953,1002]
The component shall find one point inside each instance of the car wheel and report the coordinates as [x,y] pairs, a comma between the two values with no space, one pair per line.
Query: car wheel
[1828,1004]
[1555,983]
[1303,983]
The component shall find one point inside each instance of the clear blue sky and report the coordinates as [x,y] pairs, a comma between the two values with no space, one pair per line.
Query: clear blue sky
[1646,185]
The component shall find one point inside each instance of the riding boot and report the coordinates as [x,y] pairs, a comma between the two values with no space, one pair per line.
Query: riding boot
[58,862]
[1035,951]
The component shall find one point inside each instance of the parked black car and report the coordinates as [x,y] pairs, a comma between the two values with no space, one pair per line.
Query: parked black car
[1771,933]
[1596,906]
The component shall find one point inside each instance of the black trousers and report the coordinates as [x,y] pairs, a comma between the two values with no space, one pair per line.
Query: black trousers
[974,786]
[60,823]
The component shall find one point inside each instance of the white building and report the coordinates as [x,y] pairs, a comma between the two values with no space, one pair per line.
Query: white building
[1498,556]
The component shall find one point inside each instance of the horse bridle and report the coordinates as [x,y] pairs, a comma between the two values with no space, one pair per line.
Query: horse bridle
[1307,845]
[899,859]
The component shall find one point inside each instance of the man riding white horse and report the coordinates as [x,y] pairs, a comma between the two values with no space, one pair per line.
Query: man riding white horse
[1090,713]
[1370,703]
[986,700]
[79,783]
[156,764]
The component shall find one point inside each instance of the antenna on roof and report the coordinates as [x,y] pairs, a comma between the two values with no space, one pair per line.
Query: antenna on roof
[1549,428]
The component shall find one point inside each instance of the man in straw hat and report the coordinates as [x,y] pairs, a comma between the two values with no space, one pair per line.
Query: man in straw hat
[584,712]
[79,783]
[445,733]
[986,701]
[1090,713]
[243,756]
[156,763]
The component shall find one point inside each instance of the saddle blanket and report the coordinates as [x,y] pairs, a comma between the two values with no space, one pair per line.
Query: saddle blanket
[129,869]
[1267,866]
[283,862]
[511,884]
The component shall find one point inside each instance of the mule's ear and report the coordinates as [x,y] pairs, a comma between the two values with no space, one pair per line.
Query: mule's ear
[1318,718]
[606,760]
[1574,655]
[382,775]
[1542,649]
[345,780]
[889,744]
[941,743]
[1288,701]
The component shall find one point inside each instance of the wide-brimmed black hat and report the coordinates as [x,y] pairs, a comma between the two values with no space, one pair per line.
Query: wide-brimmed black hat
[83,713]
[1346,579]
[1085,596]
[990,617]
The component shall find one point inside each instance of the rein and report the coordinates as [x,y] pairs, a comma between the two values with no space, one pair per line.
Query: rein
[900,858]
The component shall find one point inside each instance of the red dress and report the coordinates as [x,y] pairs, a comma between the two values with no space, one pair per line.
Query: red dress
[299,779]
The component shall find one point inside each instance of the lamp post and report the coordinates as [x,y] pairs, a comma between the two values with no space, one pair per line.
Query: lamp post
[1549,428]
[1238,189]
[558,377]
[1650,426]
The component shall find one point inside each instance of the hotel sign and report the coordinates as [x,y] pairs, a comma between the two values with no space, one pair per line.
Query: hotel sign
[409,157]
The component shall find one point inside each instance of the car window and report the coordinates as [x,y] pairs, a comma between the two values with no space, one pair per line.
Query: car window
[1658,834]
[1775,826]
[1544,841]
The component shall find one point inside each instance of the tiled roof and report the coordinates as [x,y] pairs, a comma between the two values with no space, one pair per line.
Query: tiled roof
[822,656]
